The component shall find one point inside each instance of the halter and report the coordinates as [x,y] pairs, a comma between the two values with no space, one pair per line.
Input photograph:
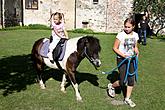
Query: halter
[90,59]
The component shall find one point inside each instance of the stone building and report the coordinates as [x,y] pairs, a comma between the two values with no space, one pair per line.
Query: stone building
[98,15]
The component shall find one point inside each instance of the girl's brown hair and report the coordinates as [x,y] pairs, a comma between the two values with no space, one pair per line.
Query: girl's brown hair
[130,20]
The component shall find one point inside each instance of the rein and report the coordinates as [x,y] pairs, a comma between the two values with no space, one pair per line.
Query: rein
[135,64]
[87,56]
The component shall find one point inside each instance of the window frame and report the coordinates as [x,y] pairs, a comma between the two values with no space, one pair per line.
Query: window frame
[30,4]
[95,1]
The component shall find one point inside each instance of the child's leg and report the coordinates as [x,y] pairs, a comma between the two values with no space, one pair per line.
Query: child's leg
[145,36]
[52,47]
[122,71]
[50,55]
[111,87]
[130,85]
[129,91]
[140,35]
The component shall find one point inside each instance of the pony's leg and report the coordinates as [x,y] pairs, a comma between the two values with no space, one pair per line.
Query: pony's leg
[75,85]
[39,74]
[41,83]
[63,83]
[71,66]
[78,96]
[38,61]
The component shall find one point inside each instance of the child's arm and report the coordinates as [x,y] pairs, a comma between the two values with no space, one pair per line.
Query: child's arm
[51,21]
[136,50]
[66,34]
[63,19]
[116,48]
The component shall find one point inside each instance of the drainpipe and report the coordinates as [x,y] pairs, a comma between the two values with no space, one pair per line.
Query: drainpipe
[51,8]
[3,13]
[106,17]
[75,14]
[22,13]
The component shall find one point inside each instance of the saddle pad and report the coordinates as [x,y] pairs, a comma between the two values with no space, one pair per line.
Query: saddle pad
[45,48]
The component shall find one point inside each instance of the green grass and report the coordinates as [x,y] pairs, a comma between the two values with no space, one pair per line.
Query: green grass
[19,90]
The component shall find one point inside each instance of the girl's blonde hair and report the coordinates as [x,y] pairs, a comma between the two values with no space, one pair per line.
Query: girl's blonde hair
[61,16]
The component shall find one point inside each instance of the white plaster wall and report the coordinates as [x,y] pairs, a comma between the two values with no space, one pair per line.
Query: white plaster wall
[42,15]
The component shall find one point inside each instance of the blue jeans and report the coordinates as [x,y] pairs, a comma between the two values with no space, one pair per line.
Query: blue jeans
[144,34]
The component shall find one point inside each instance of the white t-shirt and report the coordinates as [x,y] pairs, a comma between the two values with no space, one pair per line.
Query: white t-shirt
[127,42]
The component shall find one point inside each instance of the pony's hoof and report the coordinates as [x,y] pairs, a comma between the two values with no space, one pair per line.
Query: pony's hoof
[42,87]
[63,91]
[79,99]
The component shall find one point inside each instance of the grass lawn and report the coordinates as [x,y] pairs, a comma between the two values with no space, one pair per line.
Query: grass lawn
[19,90]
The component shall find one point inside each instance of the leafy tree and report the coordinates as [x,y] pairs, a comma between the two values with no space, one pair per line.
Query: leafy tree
[156,11]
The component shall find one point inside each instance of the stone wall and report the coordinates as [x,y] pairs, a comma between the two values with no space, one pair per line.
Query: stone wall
[104,16]
[94,14]
[118,11]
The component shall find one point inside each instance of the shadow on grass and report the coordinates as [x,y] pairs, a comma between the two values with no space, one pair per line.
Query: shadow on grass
[162,39]
[80,77]
[16,72]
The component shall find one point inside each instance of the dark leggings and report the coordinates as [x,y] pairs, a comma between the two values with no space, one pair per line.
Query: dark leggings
[122,70]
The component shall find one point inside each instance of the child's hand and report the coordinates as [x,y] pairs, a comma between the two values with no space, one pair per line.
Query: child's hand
[137,51]
[126,56]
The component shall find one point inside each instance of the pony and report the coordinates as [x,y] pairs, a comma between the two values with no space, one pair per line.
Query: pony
[77,49]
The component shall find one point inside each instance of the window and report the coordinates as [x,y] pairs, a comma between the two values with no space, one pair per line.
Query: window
[31,4]
[95,1]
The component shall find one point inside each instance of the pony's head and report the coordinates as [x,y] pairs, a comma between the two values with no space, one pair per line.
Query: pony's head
[89,47]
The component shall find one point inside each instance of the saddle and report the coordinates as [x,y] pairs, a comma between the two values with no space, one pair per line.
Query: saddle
[58,52]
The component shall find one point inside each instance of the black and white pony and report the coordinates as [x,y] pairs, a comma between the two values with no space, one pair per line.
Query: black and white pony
[76,50]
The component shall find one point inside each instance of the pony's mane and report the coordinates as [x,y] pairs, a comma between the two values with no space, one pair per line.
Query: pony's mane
[91,40]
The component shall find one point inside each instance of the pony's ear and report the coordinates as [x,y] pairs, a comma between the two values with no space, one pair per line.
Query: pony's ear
[82,43]
[86,42]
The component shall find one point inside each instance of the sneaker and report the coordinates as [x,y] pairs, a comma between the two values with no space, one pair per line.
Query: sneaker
[129,102]
[111,90]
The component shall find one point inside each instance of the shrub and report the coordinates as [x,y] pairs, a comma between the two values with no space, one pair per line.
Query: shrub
[30,26]
[37,26]
[80,30]
[15,28]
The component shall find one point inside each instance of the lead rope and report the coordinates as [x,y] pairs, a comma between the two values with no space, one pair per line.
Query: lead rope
[135,63]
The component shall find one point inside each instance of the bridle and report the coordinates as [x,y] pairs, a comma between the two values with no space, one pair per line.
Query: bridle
[89,58]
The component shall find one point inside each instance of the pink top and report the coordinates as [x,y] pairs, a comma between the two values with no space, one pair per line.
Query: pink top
[60,29]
